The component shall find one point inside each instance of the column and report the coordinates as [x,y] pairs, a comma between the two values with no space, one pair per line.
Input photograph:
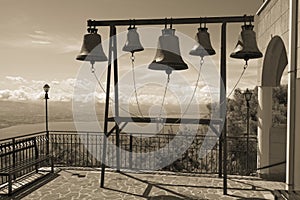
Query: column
[264,115]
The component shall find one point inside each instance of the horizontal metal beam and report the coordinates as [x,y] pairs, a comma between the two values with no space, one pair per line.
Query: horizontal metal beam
[232,19]
[165,120]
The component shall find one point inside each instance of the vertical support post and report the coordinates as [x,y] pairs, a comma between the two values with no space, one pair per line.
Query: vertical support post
[291,127]
[116,89]
[223,104]
[220,149]
[106,110]
[130,151]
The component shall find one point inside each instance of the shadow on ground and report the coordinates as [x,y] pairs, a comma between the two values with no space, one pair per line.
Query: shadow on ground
[28,189]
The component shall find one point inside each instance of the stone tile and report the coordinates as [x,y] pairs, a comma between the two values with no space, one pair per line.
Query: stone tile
[133,186]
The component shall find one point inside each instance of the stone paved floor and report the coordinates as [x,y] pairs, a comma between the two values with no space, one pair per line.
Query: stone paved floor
[79,184]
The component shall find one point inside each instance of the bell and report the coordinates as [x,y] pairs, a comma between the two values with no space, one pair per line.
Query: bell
[133,43]
[168,56]
[91,49]
[246,47]
[204,47]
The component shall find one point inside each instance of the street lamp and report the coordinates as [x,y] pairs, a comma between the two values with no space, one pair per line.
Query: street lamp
[247,95]
[46,89]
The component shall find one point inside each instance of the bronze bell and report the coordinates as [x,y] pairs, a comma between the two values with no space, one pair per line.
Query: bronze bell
[246,47]
[91,49]
[168,55]
[204,47]
[133,43]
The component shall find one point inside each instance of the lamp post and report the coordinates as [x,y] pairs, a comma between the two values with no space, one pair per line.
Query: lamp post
[46,89]
[247,95]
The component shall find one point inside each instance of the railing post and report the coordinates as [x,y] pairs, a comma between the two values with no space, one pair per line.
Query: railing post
[9,184]
[36,154]
[14,155]
[87,149]
[130,151]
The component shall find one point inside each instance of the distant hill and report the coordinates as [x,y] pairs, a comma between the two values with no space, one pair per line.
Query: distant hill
[14,113]
[30,112]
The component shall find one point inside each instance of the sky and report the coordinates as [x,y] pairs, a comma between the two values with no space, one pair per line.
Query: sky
[40,40]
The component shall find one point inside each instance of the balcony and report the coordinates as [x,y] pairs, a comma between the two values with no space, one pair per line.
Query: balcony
[77,163]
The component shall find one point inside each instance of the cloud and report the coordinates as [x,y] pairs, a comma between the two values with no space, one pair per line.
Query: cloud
[40,42]
[40,37]
[18,95]
[17,79]
[88,91]
[22,89]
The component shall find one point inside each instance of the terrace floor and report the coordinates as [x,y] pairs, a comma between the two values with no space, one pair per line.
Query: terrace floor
[84,184]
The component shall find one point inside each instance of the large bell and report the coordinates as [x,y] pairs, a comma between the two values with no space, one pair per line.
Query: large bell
[246,47]
[168,55]
[204,47]
[133,43]
[91,49]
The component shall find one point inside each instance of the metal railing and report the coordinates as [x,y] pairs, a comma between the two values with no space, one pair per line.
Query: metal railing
[84,149]
[17,149]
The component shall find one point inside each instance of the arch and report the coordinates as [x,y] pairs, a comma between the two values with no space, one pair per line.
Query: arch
[274,63]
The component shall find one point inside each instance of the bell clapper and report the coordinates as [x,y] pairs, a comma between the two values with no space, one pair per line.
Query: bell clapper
[201,61]
[92,66]
[246,63]
[132,57]
[168,72]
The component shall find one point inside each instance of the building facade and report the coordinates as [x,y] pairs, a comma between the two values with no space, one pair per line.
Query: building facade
[277,25]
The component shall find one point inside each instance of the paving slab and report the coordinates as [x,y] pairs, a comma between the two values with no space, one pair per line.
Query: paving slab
[84,184]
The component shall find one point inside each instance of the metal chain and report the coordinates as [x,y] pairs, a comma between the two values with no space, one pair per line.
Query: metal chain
[245,67]
[99,83]
[165,92]
[134,85]
[196,86]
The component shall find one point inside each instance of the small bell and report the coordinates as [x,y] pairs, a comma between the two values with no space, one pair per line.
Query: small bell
[168,55]
[204,47]
[246,47]
[133,43]
[91,49]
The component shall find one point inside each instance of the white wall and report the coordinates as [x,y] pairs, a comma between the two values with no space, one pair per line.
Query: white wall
[272,20]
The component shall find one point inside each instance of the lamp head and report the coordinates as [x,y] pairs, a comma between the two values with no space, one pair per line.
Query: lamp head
[247,95]
[46,88]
